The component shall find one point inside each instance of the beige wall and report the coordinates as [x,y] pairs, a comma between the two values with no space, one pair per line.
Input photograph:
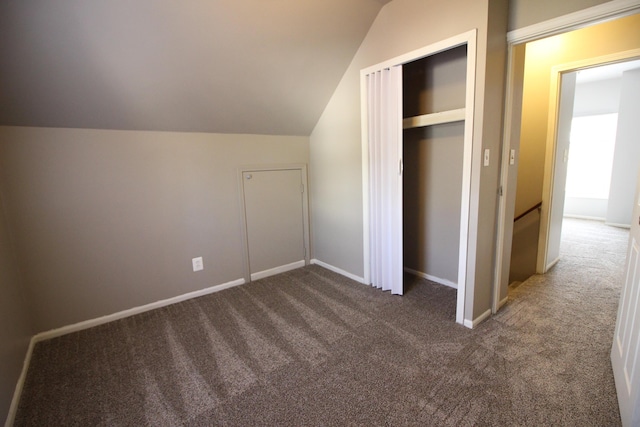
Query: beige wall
[109,220]
[15,325]
[493,109]
[603,39]
[523,13]
[402,26]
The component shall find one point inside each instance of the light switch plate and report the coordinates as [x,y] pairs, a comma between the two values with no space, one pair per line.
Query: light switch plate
[512,157]
[486,157]
[197,264]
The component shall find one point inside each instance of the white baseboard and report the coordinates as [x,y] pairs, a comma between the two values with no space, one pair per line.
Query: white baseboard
[472,324]
[42,336]
[439,280]
[591,218]
[338,270]
[613,224]
[551,264]
[502,302]
[133,311]
[273,271]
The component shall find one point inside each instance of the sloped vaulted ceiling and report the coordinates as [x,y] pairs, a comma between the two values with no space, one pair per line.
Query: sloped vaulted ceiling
[227,66]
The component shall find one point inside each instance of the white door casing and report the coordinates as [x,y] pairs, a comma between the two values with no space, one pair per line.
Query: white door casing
[553,211]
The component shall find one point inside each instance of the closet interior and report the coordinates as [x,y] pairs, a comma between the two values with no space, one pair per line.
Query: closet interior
[434,95]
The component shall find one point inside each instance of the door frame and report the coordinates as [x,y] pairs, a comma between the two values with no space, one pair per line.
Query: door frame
[587,17]
[467,251]
[302,167]
[549,199]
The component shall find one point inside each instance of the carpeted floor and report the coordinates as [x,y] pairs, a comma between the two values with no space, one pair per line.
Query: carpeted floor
[310,347]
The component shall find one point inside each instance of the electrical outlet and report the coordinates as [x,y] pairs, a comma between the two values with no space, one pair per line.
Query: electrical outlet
[197,264]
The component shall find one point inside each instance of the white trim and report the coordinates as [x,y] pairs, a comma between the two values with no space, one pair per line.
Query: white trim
[613,224]
[470,39]
[42,336]
[572,21]
[277,270]
[133,311]
[472,324]
[339,271]
[591,218]
[552,264]
[431,278]
[542,264]
[502,302]
[464,256]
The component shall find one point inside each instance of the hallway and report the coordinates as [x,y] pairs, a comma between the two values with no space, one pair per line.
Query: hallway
[592,256]
[566,319]
[585,284]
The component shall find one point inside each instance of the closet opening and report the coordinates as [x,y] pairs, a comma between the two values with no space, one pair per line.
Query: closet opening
[417,152]
[433,151]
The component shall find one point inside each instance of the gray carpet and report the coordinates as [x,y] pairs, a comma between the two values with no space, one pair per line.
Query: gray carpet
[310,347]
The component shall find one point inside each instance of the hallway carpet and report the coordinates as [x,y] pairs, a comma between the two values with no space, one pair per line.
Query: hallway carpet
[310,347]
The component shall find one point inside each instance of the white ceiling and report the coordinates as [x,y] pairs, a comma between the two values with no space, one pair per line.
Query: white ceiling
[606,72]
[228,66]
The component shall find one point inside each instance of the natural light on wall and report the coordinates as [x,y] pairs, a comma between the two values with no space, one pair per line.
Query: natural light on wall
[592,144]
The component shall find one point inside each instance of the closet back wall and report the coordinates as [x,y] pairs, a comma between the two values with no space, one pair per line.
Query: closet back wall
[105,221]
[432,200]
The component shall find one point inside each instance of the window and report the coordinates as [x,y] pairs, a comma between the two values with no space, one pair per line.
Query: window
[592,143]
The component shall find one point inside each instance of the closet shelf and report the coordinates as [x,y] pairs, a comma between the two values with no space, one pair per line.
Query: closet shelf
[434,118]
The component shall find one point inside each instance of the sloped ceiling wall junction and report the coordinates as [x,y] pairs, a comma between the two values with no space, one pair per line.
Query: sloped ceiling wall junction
[222,66]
